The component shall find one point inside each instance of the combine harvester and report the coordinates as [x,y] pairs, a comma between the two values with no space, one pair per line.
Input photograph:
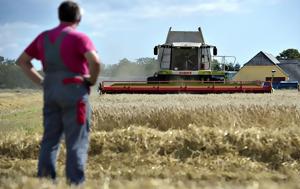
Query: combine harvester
[186,67]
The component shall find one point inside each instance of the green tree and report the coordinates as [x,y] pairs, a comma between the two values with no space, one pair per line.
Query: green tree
[142,67]
[11,75]
[148,66]
[237,67]
[229,67]
[1,59]
[215,65]
[289,54]
[145,60]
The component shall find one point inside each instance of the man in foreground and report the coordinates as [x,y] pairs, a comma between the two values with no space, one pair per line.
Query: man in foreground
[71,65]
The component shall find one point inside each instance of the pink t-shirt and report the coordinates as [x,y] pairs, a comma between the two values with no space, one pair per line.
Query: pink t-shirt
[73,47]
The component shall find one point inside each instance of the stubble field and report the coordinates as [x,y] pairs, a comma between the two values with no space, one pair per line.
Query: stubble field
[165,141]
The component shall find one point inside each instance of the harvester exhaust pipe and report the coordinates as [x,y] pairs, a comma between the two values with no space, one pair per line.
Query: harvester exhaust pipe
[200,31]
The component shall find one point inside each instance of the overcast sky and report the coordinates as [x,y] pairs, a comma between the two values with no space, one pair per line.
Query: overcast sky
[131,28]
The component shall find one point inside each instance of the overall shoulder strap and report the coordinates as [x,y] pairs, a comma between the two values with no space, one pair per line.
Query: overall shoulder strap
[53,60]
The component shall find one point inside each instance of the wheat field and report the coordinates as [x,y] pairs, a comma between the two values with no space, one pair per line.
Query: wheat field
[164,141]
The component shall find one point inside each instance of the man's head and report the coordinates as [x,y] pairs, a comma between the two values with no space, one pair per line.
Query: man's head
[69,11]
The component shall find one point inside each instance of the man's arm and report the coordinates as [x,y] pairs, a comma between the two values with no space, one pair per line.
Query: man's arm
[24,61]
[94,66]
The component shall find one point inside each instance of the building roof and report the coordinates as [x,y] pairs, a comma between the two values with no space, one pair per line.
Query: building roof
[292,68]
[262,59]
[185,36]
[294,61]
[272,58]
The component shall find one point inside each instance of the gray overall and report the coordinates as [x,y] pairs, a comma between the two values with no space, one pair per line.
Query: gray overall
[66,112]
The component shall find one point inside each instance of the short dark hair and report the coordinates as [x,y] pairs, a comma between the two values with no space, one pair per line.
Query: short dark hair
[69,11]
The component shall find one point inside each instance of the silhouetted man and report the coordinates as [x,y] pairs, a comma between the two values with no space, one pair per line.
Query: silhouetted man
[71,65]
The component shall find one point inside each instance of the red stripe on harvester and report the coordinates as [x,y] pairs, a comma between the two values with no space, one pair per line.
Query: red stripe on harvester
[131,89]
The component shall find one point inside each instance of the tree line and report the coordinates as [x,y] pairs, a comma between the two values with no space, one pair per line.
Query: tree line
[142,67]
[11,76]
[289,54]
[216,65]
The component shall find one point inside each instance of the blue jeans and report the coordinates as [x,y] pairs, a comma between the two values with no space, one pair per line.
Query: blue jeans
[66,113]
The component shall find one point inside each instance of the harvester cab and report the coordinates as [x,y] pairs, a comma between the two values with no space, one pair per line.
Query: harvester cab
[185,56]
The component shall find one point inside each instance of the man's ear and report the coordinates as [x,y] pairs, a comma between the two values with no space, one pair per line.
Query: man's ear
[78,21]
